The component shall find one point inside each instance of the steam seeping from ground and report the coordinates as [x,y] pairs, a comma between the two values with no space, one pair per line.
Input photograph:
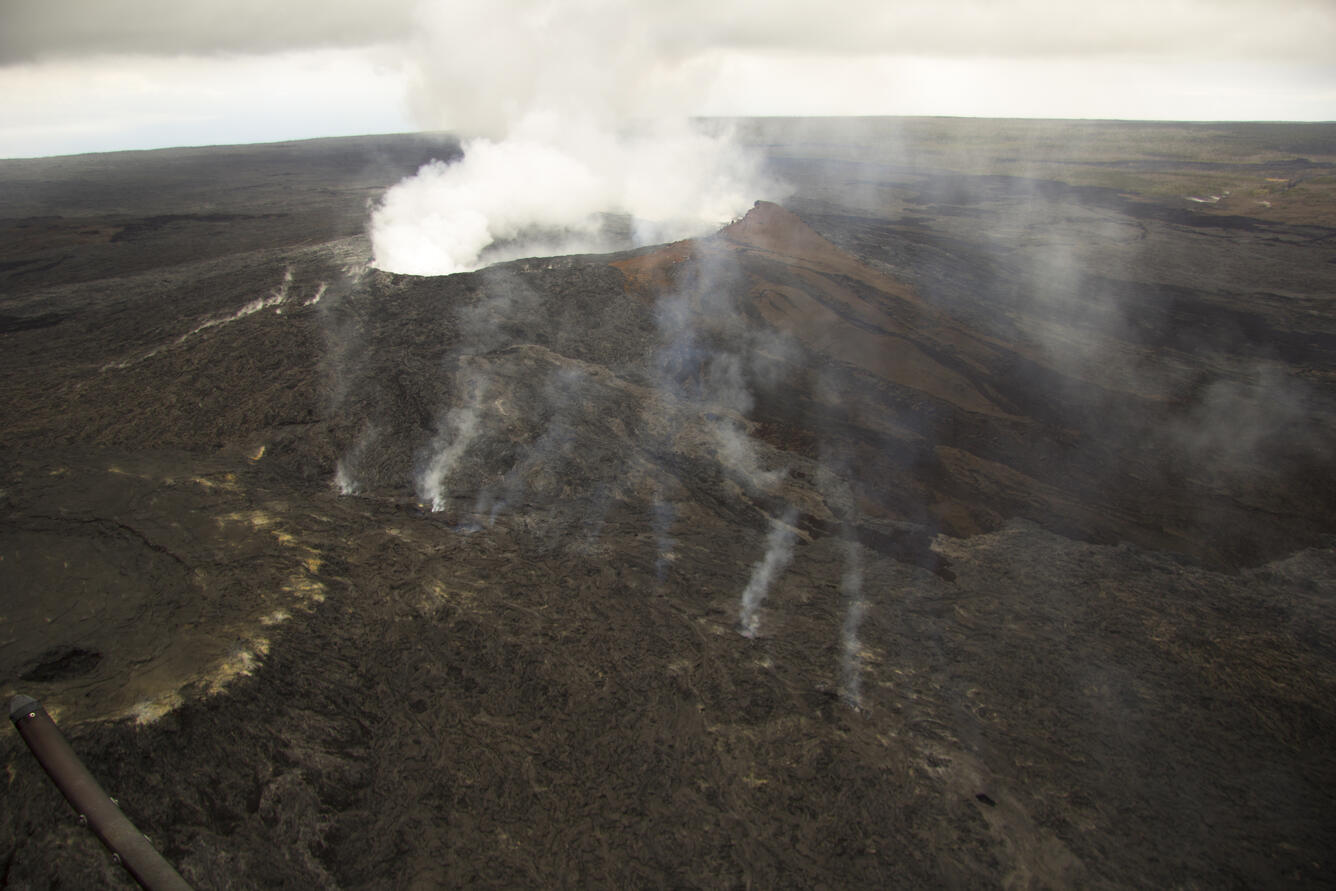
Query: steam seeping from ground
[456,433]
[778,553]
[855,607]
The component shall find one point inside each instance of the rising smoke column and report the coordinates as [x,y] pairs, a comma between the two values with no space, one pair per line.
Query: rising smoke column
[834,479]
[345,469]
[505,296]
[708,356]
[663,514]
[778,553]
[562,393]
[576,138]
[855,608]
[457,431]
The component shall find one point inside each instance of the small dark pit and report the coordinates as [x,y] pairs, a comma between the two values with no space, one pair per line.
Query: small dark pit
[62,663]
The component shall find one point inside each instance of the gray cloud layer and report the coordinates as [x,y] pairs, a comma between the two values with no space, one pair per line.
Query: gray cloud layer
[32,30]
[1292,30]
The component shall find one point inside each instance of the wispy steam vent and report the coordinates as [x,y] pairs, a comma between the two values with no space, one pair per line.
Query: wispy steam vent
[855,608]
[345,470]
[458,430]
[778,553]
[562,393]
[663,515]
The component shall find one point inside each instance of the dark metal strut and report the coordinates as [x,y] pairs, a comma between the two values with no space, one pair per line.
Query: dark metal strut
[127,844]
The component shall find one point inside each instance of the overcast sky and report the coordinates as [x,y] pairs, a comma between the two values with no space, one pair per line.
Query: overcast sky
[97,75]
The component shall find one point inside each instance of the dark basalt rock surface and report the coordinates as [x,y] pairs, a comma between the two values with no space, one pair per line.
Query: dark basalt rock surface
[1054,461]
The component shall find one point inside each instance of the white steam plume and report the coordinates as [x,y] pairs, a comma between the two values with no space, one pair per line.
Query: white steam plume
[345,470]
[699,362]
[737,452]
[550,450]
[275,298]
[456,434]
[344,481]
[572,116]
[851,591]
[778,553]
[663,516]
[833,479]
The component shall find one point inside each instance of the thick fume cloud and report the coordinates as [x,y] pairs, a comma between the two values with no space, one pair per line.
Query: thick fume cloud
[552,188]
[577,110]
[578,115]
